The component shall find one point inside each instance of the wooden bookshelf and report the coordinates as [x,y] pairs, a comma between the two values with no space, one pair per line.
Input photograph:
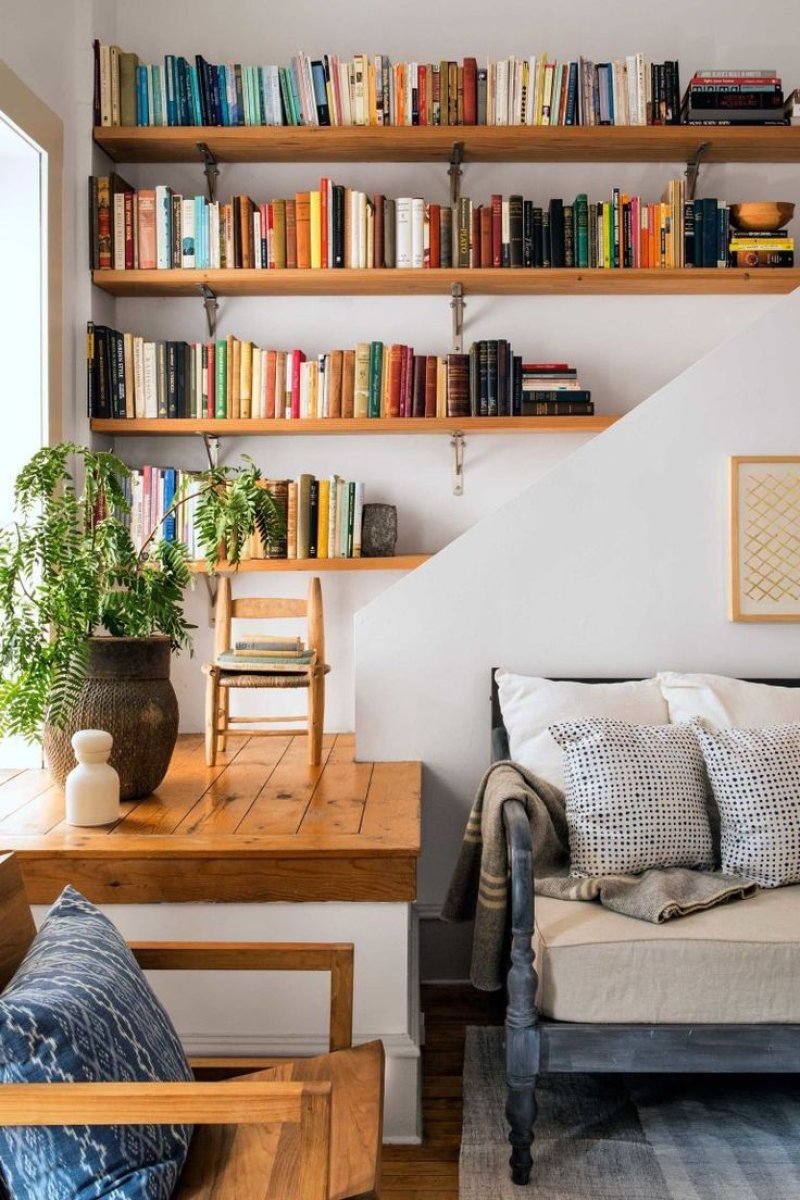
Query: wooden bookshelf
[436,281]
[636,143]
[176,427]
[399,562]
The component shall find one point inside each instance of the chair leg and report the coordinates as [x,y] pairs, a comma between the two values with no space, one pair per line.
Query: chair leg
[224,712]
[316,718]
[212,707]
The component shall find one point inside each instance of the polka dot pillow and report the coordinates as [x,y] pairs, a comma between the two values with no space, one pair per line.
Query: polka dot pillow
[755,777]
[635,797]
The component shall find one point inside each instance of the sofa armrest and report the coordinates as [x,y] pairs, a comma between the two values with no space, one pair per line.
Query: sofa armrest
[334,957]
[522,980]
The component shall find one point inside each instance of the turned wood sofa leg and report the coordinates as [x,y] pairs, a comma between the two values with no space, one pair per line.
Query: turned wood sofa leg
[522,1032]
[522,1051]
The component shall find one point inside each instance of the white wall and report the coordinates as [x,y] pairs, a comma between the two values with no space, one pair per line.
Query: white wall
[625,347]
[614,563]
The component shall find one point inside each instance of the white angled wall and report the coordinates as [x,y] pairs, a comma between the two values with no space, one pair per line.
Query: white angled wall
[625,348]
[615,563]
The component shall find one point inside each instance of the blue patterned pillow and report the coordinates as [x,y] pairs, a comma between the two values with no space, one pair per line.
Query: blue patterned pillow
[79,1009]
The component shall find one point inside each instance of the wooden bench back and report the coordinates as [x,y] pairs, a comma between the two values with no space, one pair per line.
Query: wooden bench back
[17,928]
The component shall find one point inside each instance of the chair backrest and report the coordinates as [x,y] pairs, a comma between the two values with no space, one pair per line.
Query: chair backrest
[17,928]
[263,608]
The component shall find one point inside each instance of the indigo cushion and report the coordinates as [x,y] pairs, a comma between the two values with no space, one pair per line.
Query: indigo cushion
[79,1009]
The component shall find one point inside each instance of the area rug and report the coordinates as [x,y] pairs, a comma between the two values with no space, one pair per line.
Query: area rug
[633,1137]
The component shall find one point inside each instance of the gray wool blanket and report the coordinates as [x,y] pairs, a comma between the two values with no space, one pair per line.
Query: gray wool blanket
[480,886]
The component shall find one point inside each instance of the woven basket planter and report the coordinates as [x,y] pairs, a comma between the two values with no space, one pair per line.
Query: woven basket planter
[127,692]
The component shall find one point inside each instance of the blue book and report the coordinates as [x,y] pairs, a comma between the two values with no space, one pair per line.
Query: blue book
[170,80]
[222,83]
[156,113]
[141,96]
[214,90]
[247,96]
[196,108]
[240,110]
[320,92]
[168,527]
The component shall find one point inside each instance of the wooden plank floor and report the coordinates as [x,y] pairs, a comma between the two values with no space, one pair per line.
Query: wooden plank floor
[430,1171]
[231,832]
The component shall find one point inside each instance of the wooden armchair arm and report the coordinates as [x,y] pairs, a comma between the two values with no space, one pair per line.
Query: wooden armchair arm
[335,957]
[230,1102]
[522,979]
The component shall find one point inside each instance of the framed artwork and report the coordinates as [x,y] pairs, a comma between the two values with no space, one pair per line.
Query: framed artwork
[765,538]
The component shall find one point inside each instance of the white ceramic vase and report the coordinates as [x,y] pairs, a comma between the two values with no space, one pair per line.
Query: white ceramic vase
[92,787]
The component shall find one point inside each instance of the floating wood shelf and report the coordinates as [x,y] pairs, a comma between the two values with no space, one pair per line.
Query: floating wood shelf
[490,281]
[348,425]
[400,562]
[668,143]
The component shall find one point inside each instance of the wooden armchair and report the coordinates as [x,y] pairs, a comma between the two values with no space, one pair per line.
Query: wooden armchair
[296,1129]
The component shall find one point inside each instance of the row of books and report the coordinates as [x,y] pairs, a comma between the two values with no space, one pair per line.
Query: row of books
[335,227]
[371,90]
[131,377]
[736,96]
[320,518]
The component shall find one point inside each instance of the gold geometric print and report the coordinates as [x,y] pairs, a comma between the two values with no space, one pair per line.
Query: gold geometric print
[771,559]
[765,538]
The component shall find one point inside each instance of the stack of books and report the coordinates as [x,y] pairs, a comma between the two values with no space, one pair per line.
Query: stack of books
[272,655]
[129,377]
[371,90]
[553,389]
[769,248]
[747,96]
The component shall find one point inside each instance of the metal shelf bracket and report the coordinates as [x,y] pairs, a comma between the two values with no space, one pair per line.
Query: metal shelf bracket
[458,441]
[457,305]
[693,169]
[212,585]
[455,172]
[211,305]
[211,443]
[210,170]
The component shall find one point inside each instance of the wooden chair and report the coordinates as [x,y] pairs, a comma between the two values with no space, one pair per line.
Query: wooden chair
[266,1129]
[222,680]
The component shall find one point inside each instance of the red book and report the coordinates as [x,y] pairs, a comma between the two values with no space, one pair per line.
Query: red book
[430,385]
[477,256]
[435,224]
[485,240]
[403,381]
[297,357]
[271,378]
[146,204]
[129,201]
[395,380]
[409,380]
[497,231]
[470,86]
[422,94]
[551,368]
[418,396]
[211,380]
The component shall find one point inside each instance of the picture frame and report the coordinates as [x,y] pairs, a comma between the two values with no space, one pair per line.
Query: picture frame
[765,537]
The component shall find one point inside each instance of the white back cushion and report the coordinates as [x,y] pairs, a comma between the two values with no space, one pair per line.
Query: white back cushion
[723,702]
[530,704]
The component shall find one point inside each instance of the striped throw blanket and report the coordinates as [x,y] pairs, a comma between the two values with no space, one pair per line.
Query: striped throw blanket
[480,886]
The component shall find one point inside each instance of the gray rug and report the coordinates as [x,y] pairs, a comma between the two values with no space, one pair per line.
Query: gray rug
[633,1137]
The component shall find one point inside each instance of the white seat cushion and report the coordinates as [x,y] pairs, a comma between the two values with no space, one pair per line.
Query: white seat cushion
[736,963]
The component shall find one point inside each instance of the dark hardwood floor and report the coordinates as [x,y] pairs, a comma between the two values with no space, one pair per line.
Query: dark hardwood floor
[430,1171]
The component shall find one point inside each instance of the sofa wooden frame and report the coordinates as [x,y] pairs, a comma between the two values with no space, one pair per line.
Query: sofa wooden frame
[538,1045]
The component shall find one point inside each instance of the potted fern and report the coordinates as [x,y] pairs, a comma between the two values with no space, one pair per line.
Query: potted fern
[88,620]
